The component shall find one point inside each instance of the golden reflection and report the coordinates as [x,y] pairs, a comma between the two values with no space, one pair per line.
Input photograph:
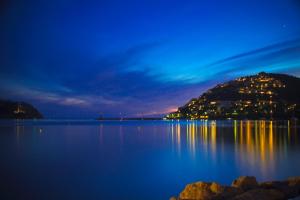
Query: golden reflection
[289,133]
[271,140]
[241,132]
[257,145]
[19,130]
[261,144]
[203,133]
[178,136]
[192,140]
[213,134]
[197,134]
[235,130]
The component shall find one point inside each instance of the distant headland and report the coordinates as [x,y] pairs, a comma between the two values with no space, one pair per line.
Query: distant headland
[261,96]
[18,110]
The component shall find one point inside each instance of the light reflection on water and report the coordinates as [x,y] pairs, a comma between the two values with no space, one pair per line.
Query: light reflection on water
[255,142]
[91,159]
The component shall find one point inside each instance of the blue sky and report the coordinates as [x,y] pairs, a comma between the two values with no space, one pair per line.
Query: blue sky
[75,58]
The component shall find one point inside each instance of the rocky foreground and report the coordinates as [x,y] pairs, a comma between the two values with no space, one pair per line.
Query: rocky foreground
[243,188]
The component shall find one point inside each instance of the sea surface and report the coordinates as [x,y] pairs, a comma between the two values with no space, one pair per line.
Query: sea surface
[139,160]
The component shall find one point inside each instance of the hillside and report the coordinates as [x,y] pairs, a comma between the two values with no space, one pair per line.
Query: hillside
[18,110]
[264,95]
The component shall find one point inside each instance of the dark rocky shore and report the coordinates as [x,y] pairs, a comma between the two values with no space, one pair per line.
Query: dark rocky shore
[243,188]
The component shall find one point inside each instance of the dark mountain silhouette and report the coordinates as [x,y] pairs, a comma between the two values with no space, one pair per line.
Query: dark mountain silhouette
[18,110]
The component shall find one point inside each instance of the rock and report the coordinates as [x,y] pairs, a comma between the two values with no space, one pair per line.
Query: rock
[273,184]
[197,191]
[208,191]
[261,194]
[294,181]
[245,183]
[281,186]
[294,184]
[224,192]
[243,188]
[290,188]
[216,188]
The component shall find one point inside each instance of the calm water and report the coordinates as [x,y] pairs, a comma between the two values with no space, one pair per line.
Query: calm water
[139,159]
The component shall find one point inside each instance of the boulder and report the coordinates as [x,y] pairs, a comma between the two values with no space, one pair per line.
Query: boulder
[208,191]
[243,188]
[290,188]
[281,186]
[197,191]
[224,192]
[216,187]
[261,194]
[294,181]
[245,183]
[294,184]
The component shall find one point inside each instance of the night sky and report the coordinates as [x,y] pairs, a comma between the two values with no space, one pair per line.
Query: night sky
[80,58]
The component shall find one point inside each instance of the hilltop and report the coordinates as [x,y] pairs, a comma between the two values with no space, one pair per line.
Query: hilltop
[265,95]
[18,110]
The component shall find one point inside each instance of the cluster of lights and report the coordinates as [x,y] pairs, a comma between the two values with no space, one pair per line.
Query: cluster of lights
[259,85]
[261,101]
[19,110]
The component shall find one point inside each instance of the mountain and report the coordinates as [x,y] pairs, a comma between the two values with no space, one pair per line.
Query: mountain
[261,96]
[18,110]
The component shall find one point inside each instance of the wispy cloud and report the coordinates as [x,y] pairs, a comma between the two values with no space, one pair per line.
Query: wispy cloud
[83,101]
[275,58]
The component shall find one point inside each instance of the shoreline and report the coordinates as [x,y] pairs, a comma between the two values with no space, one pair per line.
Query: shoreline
[242,188]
